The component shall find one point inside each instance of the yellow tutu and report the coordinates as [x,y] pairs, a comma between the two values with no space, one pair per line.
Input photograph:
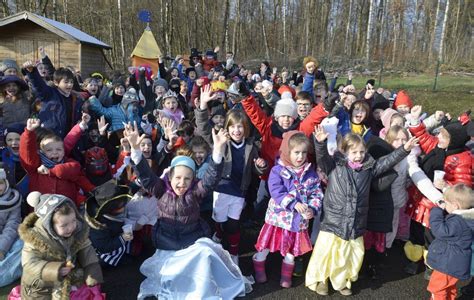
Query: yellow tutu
[336,259]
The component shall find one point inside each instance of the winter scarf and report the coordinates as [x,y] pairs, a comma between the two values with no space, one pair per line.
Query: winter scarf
[48,163]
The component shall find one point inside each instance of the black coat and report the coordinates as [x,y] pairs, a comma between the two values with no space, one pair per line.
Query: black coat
[346,201]
[380,216]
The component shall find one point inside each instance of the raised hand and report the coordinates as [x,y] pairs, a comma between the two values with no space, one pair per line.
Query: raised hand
[320,134]
[85,119]
[169,128]
[416,112]
[206,96]
[133,135]
[43,170]
[32,124]
[412,143]
[29,65]
[220,138]
[102,125]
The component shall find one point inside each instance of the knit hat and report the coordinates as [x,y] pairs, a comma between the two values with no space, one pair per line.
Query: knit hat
[458,133]
[267,84]
[105,199]
[218,110]
[97,75]
[402,99]
[45,205]
[182,160]
[118,82]
[380,102]
[371,82]
[194,53]
[12,78]
[287,89]
[285,147]
[130,97]
[160,82]
[386,117]
[175,85]
[16,127]
[286,107]
[234,88]
[11,198]
[8,64]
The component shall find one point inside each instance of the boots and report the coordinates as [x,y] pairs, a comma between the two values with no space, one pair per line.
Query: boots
[286,273]
[259,267]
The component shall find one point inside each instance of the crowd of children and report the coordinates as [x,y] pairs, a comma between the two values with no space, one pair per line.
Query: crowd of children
[94,168]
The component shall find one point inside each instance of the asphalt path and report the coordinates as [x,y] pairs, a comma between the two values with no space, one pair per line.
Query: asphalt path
[124,281]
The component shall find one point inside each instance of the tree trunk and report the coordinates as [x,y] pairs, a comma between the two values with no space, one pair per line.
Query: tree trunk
[225,37]
[122,42]
[369,33]
[443,30]
[66,11]
[264,32]
[236,25]
[347,49]
[283,12]
[433,34]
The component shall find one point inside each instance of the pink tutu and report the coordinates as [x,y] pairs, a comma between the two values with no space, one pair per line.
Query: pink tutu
[374,239]
[279,239]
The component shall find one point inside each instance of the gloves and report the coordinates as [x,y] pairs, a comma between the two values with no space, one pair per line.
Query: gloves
[330,101]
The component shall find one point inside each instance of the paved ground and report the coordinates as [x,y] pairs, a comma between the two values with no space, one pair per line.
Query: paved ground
[124,281]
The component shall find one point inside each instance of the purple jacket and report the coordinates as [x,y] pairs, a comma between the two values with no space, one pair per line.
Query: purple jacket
[287,189]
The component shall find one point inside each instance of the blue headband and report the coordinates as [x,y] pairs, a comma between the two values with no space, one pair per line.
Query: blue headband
[182,160]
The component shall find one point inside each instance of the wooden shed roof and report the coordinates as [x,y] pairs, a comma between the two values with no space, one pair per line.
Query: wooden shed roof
[63,30]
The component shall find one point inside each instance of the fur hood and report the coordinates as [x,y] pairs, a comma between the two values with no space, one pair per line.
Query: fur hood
[31,231]
[466,214]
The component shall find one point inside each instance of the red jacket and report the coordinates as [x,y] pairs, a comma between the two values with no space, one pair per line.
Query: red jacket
[459,168]
[263,123]
[64,179]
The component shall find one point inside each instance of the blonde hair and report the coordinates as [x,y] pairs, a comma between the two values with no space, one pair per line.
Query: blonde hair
[237,117]
[393,132]
[350,141]
[460,194]
[185,150]
[298,139]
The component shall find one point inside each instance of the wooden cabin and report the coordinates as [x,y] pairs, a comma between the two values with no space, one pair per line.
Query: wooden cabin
[23,33]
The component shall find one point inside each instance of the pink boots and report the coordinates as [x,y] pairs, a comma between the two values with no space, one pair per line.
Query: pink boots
[286,274]
[259,266]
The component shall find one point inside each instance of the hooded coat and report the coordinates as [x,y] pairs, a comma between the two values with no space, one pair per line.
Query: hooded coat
[43,256]
[450,252]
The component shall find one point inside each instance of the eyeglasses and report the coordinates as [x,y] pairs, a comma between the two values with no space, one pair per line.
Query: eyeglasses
[303,104]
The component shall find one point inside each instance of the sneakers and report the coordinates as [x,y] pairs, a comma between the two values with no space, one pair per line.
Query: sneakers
[235,259]
[322,288]
[216,239]
[345,292]
[259,267]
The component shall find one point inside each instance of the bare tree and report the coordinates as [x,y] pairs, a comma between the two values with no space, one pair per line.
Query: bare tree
[369,32]
[122,42]
[443,30]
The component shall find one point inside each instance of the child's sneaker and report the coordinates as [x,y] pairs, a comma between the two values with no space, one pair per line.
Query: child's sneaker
[322,288]
[345,292]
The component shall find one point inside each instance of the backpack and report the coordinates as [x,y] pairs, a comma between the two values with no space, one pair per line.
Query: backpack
[96,161]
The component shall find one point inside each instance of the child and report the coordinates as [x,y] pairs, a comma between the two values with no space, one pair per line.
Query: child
[389,118]
[9,67]
[179,194]
[403,103]
[90,88]
[240,162]
[60,108]
[49,170]
[112,96]
[127,110]
[10,245]
[356,121]
[303,102]
[345,209]
[450,252]
[57,253]
[14,101]
[171,109]
[10,157]
[296,198]
[105,214]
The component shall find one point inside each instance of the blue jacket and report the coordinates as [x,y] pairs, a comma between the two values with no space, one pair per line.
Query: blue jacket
[344,125]
[116,114]
[308,83]
[450,252]
[53,113]
[10,166]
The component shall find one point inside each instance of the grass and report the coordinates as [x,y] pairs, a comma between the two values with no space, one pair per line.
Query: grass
[454,94]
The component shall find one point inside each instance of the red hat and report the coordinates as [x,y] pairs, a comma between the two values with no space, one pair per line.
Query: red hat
[402,99]
[285,88]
